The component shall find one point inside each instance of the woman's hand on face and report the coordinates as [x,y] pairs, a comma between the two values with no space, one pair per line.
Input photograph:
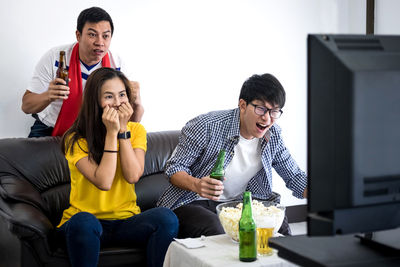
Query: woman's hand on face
[125,112]
[110,119]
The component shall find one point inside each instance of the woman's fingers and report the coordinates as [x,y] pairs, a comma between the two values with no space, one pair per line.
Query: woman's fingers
[110,118]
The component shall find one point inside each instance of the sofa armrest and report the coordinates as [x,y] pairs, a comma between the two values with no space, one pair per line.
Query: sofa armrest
[14,188]
[25,221]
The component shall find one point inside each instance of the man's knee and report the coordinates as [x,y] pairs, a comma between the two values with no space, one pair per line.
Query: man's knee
[195,221]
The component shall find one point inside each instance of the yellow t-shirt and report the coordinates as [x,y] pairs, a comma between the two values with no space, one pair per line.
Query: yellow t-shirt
[117,203]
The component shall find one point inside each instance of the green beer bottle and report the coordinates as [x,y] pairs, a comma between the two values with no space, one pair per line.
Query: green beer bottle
[247,231]
[218,171]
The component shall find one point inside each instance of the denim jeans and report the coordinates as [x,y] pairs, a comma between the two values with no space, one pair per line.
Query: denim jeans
[153,229]
[39,129]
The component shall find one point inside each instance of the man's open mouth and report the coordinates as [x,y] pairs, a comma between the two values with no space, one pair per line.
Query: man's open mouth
[260,126]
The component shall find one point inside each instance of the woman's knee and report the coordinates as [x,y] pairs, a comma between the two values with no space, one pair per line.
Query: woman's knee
[167,220]
[83,223]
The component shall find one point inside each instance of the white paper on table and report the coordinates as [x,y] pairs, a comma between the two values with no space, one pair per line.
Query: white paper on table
[190,242]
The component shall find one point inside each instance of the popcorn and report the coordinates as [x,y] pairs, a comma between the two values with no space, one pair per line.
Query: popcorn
[230,216]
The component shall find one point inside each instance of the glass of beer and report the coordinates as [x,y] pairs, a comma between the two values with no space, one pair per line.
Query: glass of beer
[265,230]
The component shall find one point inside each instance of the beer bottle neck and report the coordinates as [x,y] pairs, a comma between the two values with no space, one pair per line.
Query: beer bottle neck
[219,164]
[61,61]
[247,212]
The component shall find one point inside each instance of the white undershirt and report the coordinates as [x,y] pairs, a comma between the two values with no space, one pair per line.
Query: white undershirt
[245,163]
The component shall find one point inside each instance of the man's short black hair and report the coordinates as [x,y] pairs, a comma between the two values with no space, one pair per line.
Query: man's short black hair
[263,87]
[93,15]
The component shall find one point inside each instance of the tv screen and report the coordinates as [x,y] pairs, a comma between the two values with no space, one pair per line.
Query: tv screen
[353,133]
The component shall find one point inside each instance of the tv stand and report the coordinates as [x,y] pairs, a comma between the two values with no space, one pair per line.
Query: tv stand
[340,250]
[386,241]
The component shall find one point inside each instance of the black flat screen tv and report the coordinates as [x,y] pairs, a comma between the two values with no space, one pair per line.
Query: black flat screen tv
[353,134]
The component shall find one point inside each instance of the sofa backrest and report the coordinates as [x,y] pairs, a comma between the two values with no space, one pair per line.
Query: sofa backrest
[35,171]
[160,146]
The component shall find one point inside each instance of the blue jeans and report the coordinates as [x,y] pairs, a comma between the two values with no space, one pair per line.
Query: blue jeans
[39,129]
[153,229]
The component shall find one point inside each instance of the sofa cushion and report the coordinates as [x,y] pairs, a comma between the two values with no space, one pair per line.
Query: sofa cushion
[149,188]
[159,141]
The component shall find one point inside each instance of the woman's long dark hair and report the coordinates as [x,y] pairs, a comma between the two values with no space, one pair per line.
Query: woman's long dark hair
[89,124]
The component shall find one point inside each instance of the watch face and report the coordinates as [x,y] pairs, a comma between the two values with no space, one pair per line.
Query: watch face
[124,135]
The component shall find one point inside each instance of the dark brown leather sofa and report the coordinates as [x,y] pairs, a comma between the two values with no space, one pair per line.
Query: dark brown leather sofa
[34,190]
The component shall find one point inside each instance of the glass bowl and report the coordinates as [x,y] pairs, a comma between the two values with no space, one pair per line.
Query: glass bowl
[229,214]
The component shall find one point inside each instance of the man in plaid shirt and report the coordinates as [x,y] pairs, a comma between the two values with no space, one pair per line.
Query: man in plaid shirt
[253,145]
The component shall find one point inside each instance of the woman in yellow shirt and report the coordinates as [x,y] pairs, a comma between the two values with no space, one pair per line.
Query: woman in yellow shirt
[105,153]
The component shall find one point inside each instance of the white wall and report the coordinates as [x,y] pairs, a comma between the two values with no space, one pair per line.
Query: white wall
[387,20]
[189,56]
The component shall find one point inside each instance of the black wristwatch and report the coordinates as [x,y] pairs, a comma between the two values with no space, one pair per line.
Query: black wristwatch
[124,135]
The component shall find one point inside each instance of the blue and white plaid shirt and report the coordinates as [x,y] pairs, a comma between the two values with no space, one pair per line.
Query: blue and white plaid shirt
[201,140]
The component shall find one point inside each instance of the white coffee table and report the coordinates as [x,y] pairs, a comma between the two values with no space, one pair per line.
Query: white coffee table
[219,250]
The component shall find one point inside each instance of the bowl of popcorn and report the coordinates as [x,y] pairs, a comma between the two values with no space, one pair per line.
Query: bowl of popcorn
[229,214]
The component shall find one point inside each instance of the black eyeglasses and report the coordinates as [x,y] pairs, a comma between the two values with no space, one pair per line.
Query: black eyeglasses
[261,110]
